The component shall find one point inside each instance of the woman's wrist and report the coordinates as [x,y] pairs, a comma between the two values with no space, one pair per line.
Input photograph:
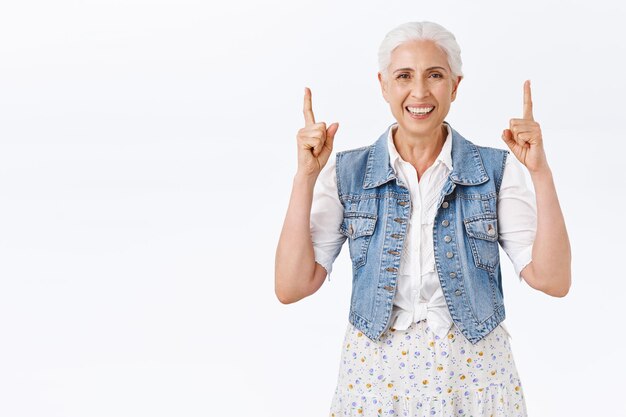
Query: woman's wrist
[305,179]
[542,174]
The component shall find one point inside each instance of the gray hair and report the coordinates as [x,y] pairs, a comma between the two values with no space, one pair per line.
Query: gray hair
[415,31]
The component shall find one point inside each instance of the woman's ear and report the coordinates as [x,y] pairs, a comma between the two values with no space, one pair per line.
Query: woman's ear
[383,86]
[458,80]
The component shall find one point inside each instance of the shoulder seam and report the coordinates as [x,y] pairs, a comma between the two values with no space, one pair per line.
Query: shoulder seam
[499,179]
[362,148]
[490,147]
[337,162]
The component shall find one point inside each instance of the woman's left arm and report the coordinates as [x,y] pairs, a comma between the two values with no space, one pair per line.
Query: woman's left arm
[550,268]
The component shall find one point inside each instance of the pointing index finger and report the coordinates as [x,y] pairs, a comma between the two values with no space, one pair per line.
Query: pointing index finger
[528,102]
[309,118]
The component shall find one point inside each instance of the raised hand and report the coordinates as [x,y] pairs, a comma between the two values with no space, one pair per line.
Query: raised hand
[524,138]
[315,140]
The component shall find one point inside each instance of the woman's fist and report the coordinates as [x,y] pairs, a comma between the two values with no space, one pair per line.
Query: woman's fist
[524,138]
[315,140]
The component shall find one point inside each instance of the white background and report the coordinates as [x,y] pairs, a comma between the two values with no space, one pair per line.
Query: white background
[147,150]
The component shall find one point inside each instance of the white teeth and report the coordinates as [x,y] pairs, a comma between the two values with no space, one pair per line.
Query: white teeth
[420,110]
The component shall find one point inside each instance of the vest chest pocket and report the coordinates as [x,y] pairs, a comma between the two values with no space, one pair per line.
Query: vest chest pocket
[359,228]
[482,232]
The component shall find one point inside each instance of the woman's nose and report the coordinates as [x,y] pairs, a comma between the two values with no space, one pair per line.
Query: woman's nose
[419,88]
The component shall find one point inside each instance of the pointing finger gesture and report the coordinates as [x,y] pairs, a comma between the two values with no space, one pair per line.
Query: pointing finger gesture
[528,102]
[309,117]
[315,140]
[524,137]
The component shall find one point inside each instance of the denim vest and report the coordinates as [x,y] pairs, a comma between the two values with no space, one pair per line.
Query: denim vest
[377,208]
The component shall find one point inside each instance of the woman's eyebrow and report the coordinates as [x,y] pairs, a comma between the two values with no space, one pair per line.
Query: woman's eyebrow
[427,69]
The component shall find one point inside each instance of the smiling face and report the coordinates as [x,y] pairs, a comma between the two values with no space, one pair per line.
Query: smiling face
[419,88]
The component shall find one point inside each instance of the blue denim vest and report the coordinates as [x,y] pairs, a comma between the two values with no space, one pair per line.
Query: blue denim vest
[377,208]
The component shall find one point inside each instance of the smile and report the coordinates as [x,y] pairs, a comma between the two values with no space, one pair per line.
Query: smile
[420,111]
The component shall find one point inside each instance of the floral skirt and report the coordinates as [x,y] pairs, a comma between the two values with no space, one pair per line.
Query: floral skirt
[415,373]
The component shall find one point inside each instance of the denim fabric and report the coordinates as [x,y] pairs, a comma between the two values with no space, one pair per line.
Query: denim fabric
[377,207]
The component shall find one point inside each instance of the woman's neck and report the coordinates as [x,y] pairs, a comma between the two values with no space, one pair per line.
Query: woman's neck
[421,152]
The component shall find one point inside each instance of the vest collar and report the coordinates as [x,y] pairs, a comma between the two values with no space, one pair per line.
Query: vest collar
[467,165]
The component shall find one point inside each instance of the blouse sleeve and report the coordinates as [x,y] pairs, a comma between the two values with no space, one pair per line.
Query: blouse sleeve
[326,218]
[517,215]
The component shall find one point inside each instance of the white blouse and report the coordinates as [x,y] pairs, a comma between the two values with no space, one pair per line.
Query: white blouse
[419,295]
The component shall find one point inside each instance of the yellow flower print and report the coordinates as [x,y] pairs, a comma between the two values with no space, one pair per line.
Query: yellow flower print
[480,389]
[368,385]
[449,390]
[462,377]
[469,360]
[390,385]
[431,344]
[493,372]
[440,368]
[450,336]
[517,388]
[363,359]
[395,398]
[425,382]
[404,352]
[360,411]
[480,353]
[350,386]
[359,334]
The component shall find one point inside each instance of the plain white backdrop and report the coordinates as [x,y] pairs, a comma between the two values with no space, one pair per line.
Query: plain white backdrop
[147,150]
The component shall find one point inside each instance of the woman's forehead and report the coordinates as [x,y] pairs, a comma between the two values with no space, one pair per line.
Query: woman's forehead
[419,54]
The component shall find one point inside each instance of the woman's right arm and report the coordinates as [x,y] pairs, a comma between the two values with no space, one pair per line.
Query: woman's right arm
[297,275]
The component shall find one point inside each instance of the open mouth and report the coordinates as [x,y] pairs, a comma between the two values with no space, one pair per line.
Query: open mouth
[420,111]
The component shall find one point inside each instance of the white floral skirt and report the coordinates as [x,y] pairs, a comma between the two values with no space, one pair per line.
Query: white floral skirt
[415,373]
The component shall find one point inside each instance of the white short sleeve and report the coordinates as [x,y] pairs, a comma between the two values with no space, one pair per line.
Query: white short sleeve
[517,215]
[326,217]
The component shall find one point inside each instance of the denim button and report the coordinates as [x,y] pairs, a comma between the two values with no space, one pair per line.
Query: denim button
[447,239]
[392,269]
[445,223]
[452,274]
[445,204]
[388,288]
[458,292]
[449,255]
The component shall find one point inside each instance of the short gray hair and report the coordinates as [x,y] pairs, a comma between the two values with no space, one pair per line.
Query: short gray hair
[416,31]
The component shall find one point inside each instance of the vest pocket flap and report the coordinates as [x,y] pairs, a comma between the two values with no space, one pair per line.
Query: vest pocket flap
[357,224]
[483,226]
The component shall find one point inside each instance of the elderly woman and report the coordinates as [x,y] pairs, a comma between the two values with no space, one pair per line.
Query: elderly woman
[424,210]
